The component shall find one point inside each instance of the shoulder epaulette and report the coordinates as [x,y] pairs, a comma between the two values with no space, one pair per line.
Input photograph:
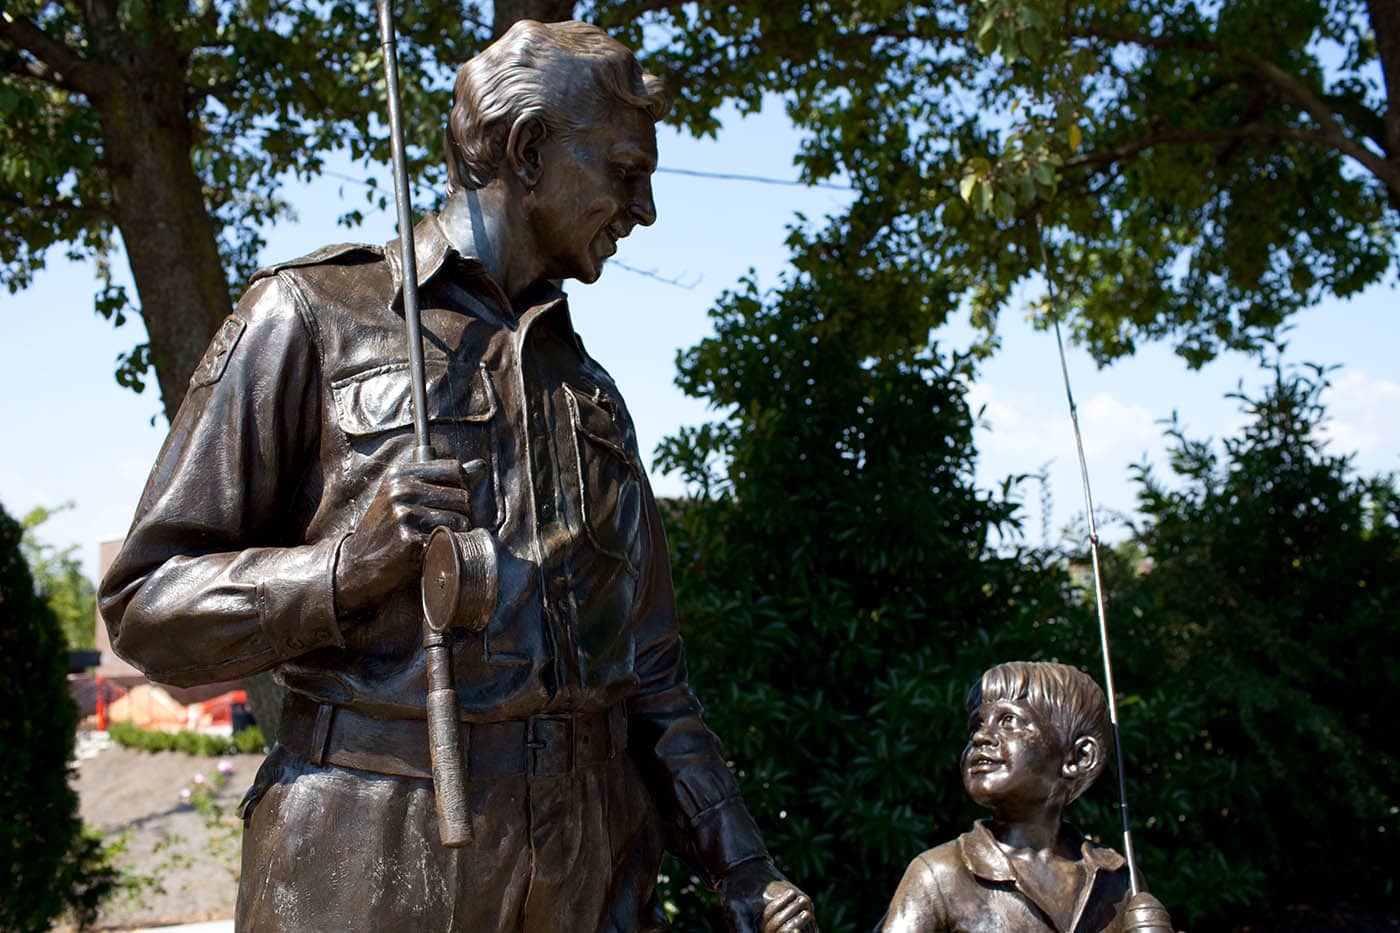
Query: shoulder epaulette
[340,253]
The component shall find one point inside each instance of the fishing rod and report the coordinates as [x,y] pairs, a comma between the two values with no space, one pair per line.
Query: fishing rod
[1134,881]
[444,728]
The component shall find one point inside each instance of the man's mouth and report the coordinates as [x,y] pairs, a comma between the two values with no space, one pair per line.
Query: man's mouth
[614,231]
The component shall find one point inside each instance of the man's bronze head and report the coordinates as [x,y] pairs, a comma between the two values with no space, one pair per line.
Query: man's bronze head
[567,75]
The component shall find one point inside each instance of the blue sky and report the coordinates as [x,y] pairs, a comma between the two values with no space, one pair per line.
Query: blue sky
[71,433]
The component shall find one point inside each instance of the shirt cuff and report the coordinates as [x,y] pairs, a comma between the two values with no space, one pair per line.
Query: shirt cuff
[723,837]
[296,608]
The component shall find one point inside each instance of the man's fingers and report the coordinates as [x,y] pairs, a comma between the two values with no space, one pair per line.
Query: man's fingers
[789,912]
[424,520]
[802,921]
[416,495]
[781,901]
[445,472]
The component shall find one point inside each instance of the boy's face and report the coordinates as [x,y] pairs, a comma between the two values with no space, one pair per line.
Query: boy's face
[1013,757]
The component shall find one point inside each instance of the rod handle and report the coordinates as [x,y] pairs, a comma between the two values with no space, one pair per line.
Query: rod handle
[445,747]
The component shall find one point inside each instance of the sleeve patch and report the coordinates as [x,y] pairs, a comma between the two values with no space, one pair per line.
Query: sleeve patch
[216,358]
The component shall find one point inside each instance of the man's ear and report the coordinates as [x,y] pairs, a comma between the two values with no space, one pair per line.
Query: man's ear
[523,145]
[1083,759]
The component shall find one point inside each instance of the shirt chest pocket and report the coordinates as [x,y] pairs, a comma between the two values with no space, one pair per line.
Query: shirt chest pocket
[608,481]
[375,412]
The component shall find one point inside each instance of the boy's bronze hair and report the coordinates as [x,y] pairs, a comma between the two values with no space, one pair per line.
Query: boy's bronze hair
[1065,696]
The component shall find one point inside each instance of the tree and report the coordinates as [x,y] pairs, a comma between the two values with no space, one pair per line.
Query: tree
[47,863]
[1258,644]
[62,585]
[841,583]
[1203,170]
[174,124]
[1139,131]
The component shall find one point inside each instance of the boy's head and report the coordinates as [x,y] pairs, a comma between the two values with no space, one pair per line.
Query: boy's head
[1037,730]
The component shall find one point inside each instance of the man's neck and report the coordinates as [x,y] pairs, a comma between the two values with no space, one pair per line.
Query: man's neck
[481,224]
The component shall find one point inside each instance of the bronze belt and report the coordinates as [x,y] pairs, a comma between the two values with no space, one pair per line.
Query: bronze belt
[541,746]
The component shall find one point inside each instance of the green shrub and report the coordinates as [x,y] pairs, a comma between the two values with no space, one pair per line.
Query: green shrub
[249,741]
[1256,619]
[47,863]
[191,743]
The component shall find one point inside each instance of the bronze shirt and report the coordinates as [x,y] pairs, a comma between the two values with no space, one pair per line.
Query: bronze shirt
[302,404]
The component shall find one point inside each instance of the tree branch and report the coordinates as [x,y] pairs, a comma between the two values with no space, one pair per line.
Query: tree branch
[1137,147]
[622,15]
[1385,24]
[1314,106]
[58,205]
[1332,133]
[78,73]
[39,71]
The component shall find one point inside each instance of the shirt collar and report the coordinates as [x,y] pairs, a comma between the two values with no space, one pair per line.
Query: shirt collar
[434,253]
[985,858]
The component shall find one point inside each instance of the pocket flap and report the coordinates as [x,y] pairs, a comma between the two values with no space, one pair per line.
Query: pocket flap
[596,422]
[380,399]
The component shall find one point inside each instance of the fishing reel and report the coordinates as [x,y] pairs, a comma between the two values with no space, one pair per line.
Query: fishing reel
[460,580]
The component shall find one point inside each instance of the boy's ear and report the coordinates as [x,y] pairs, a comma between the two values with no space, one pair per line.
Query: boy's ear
[523,144]
[1083,759]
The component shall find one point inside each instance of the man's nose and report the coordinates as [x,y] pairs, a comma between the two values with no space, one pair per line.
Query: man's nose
[642,207]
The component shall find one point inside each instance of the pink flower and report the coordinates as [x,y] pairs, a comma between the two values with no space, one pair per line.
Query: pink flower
[184,795]
[225,767]
[199,779]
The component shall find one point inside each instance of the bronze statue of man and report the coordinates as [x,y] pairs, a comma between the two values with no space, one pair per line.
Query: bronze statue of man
[284,522]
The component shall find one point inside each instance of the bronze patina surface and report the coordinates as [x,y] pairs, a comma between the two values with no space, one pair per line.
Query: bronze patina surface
[1038,737]
[284,524]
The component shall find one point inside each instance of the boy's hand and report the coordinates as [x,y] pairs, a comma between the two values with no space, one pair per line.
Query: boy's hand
[758,899]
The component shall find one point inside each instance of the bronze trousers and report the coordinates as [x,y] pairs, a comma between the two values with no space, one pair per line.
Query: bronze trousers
[327,848]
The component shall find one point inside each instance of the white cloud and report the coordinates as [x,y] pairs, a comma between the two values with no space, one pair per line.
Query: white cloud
[1364,419]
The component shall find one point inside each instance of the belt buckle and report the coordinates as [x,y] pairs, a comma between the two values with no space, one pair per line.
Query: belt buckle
[551,745]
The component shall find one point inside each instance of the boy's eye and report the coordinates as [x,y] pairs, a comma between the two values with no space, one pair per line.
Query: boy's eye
[1008,721]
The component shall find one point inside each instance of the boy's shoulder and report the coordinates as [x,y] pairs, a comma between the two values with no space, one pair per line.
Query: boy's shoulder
[939,865]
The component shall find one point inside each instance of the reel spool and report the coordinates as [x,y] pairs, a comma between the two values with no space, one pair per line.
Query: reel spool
[460,582]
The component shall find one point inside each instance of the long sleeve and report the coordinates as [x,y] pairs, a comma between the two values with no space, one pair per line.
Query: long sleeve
[215,579]
[708,822]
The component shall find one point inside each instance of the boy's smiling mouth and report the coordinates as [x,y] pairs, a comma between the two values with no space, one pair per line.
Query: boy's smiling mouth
[980,763]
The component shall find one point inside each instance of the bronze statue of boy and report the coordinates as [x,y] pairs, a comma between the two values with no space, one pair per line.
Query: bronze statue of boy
[1038,737]
[284,525]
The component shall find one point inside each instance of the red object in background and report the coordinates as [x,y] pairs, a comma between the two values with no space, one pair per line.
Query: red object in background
[101,703]
[219,710]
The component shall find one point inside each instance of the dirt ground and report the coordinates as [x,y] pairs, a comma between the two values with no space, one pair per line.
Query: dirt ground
[182,869]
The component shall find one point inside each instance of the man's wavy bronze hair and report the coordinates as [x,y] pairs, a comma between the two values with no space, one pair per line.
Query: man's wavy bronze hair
[535,70]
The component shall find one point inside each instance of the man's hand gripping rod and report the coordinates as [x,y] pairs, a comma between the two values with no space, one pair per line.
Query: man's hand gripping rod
[459,571]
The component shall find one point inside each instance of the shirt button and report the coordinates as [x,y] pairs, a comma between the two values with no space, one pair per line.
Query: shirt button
[547,510]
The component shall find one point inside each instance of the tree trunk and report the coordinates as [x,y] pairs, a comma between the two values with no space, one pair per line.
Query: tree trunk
[158,204]
[508,12]
[1385,23]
